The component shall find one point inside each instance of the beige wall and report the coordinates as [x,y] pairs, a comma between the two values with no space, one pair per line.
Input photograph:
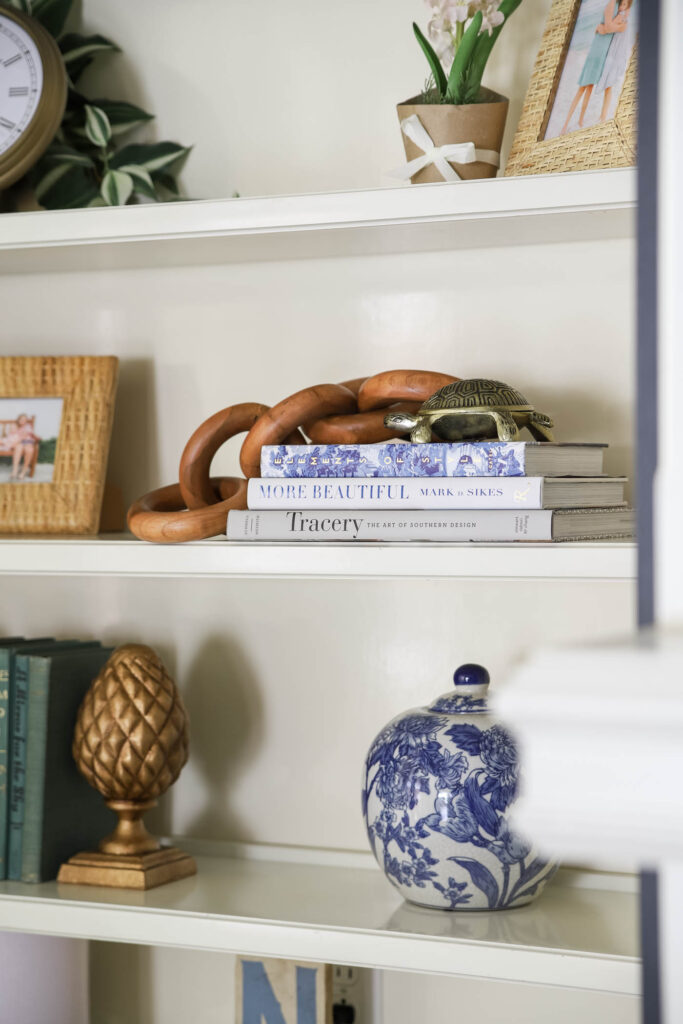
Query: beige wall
[174,986]
[285,98]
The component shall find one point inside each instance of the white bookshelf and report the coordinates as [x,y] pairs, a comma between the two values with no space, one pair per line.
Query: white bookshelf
[483,213]
[258,316]
[125,556]
[581,933]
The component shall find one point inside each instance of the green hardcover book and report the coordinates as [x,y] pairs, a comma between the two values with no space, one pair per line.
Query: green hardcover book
[7,641]
[8,649]
[64,814]
[19,728]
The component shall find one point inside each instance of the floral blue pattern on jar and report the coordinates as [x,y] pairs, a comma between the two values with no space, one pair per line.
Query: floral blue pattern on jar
[439,782]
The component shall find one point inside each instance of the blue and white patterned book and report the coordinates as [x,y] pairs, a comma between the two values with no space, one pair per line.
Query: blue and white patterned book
[397,458]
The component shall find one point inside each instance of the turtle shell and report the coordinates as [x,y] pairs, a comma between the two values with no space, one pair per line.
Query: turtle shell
[473,393]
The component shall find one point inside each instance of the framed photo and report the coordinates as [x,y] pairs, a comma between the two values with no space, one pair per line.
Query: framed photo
[55,426]
[580,110]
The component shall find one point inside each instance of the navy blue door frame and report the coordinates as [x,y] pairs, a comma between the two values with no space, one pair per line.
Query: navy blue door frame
[646,425]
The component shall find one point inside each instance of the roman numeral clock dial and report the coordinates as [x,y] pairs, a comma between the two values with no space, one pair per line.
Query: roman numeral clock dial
[32,92]
[21,83]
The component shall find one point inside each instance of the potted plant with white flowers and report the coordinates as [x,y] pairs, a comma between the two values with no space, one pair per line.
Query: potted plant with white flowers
[454,128]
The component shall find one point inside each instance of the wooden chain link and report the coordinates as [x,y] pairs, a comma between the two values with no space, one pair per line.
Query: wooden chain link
[349,413]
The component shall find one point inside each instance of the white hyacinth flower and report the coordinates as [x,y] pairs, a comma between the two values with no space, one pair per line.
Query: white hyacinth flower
[448,14]
[443,42]
[492,17]
[439,29]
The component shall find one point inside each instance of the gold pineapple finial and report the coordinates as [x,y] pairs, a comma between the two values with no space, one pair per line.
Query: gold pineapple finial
[130,743]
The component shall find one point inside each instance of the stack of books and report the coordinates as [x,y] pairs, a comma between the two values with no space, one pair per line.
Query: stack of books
[48,812]
[479,491]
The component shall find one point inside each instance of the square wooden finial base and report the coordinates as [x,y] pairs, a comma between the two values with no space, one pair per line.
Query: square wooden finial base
[142,871]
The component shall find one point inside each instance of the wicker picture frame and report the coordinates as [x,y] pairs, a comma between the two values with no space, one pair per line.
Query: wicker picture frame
[71,502]
[610,144]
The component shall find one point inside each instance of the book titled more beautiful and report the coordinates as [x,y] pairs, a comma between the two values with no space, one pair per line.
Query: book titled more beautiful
[445,526]
[401,458]
[416,493]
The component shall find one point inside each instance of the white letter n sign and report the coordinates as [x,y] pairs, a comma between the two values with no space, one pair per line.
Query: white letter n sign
[283,992]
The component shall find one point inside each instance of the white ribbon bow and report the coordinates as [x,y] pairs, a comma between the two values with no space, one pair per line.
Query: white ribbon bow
[458,152]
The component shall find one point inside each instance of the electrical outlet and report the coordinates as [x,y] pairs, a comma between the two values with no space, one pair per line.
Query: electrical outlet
[343,979]
[353,987]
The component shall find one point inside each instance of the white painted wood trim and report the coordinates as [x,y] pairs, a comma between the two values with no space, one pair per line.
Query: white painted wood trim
[666,765]
[340,914]
[669,478]
[596,561]
[596,191]
[500,211]
[390,952]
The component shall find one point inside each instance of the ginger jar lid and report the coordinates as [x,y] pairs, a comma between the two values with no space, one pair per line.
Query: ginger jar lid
[471,684]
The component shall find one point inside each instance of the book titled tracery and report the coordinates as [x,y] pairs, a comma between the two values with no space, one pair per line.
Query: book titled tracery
[448,527]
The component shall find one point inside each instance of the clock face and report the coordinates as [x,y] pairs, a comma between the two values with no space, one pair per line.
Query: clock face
[21,81]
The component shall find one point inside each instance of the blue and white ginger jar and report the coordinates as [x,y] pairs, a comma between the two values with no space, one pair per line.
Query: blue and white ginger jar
[439,783]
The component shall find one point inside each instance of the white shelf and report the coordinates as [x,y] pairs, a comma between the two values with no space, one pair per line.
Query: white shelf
[125,556]
[573,936]
[504,211]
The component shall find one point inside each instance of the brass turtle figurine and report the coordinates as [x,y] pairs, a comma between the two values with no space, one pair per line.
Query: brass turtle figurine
[473,409]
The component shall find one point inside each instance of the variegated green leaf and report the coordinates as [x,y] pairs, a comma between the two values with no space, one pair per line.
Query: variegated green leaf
[97,126]
[65,187]
[97,201]
[142,181]
[79,51]
[167,182]
[75,46]
[61,154]
[49,179]
[154,157]
[21,5]
[116,188]
[122,117]
[52,14]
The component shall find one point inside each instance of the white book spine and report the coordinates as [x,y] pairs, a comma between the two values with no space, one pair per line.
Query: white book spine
[451,527]
[371,493]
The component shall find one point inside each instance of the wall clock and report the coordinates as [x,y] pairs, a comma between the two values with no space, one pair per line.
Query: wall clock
[32,92]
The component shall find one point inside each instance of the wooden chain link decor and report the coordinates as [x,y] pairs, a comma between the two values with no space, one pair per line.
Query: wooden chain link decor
[349,413]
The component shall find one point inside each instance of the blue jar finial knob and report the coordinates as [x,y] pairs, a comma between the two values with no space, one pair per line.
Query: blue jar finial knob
[471,675]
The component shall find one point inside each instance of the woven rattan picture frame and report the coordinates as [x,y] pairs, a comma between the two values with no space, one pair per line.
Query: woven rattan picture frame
[611,143]
[66,496]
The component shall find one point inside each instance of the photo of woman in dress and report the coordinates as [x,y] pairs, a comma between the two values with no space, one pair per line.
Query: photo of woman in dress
[595,66]
[618,56]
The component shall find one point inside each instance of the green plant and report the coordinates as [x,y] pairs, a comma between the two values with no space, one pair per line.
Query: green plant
[47,450]
[85,165]
[463,33]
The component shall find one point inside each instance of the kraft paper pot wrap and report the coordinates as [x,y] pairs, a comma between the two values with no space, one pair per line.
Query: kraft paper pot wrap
[481,123]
